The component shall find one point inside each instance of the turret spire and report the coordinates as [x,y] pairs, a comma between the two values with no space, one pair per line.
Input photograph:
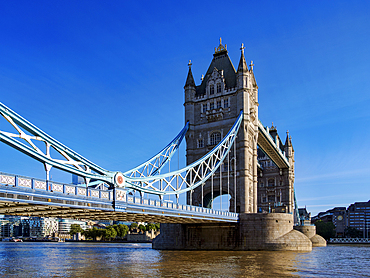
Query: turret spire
[288,140]
[242,63]
[190,79]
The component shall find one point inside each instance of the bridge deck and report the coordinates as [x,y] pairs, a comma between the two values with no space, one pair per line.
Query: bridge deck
[30,197]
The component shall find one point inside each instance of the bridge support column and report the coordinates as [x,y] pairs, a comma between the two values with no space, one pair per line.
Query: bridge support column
[254,231]
[310,232]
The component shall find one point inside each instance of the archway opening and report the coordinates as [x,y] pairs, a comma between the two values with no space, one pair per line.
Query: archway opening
[220,202]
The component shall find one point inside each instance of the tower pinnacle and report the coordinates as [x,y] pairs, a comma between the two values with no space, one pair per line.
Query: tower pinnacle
[190,79]
[220,48]
[242,48]
[242,63]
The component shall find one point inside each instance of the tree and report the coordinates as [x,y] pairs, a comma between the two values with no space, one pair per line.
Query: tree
[110,233]
[142,227]
[158,226]
[151,226]
[93,233]
[133,226]
[352,232]
[74,229]
[121,230]
[325,229]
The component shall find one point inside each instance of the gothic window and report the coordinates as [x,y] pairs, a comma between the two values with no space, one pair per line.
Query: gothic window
[271,198]
[212,106]
[271,182]
[218,88]
[200,143]
[264,199]
[218,104]
[211,90]
[215,138]
[226,103]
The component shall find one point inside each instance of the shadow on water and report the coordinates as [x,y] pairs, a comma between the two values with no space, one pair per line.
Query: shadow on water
[139,260]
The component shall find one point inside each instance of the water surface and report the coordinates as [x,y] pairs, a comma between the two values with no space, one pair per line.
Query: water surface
[31,259]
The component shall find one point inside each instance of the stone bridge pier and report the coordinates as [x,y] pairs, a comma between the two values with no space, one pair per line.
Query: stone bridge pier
[254,231]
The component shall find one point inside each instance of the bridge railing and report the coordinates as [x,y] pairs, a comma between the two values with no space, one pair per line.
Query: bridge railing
[119,195]
[170,205]
[349,240]
[51,186]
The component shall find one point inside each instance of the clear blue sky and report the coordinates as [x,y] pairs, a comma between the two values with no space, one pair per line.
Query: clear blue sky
[106,79]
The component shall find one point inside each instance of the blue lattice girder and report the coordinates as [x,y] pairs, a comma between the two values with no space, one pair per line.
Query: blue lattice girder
[74,163]
[144,178]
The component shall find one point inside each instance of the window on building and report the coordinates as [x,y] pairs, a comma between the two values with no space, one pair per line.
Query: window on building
[226,103]
[215,138]
[261,184]
[218,104]
[212,106]
[271,182]
[264,199]
[204,108]
[271,198]
[211,90]
[200,143]
[218,88]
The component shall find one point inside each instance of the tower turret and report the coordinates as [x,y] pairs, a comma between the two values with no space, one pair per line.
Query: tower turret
[243,72]
[190,91]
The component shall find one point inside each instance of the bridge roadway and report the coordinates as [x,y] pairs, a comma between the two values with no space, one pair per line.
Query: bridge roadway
[25,196]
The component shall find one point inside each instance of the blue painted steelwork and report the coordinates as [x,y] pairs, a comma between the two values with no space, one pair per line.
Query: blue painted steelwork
[175,182]
[192,175]
[46,198]
[74,163]
[154,165]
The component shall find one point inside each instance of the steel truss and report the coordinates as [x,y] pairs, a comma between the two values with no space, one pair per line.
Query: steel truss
[145,178]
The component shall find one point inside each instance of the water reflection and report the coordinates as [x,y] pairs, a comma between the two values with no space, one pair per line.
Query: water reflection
[227,264]
[139,260]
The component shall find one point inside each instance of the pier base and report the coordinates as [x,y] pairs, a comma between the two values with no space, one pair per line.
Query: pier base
[254,231]
[310,232]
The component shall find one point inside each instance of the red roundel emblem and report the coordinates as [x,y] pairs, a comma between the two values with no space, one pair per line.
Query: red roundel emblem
[119,179]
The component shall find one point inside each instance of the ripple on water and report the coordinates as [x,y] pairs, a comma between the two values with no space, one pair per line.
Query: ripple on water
[30,259]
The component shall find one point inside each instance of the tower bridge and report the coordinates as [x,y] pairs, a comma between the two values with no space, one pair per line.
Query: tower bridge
[229,151]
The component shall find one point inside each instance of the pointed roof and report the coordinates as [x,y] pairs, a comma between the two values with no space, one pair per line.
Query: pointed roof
[220,61]
[288,140]
[190,79]
[242,63]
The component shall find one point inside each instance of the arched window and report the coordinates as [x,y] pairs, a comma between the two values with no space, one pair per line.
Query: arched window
[211,89]
[215,138]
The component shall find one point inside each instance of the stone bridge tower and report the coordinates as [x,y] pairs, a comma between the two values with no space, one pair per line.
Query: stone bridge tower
[211,109]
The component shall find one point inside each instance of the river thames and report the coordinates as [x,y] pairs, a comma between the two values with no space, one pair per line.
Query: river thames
[30,259]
